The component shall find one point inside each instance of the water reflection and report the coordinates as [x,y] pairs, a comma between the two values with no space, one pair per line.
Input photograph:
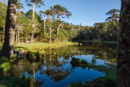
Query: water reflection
[53,69]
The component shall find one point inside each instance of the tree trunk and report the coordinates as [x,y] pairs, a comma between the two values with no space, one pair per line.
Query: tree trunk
[48,17]
[123,56]
[18,37]
[34,72]
[57,32]
[58,16]
[58,25]
[44,24]
[7,49]
[57,55]
[45,67]
[32,37]
[50,34]
[26,39]
[33,11]
[58,28]
[50,54]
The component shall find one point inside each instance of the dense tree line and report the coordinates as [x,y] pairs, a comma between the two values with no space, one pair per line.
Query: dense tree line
[106,31]
[48,27]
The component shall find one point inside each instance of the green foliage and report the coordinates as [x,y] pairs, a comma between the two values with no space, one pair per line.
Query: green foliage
[99,32]
[3,9]
[34,55]
[20,49]
[15,81]
[47,12]
[78,62]
[60,11]
[6,66]
[19,5]
[22,82]
[114,15]
[37,2]
[76,84]
[14,56]
[29,15]
[107,31]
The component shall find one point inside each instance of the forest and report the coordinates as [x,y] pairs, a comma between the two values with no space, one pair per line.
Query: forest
[47,26]
[39,49]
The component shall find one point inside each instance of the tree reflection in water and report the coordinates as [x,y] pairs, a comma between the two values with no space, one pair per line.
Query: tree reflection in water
[55,63]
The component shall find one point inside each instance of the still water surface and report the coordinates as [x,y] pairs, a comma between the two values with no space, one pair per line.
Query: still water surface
[54,69]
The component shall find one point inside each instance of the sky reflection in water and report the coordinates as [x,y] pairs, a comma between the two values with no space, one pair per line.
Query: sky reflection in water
[60,73]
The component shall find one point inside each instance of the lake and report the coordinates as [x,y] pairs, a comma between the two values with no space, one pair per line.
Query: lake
[55,67]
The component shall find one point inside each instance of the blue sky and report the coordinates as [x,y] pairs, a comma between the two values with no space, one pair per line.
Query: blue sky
[85,12]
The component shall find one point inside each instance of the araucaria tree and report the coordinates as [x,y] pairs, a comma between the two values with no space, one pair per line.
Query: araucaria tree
[44,20]
[49,24]
[7,49]
[123,56]
[113,19]
[19,21]
[113,15]
[60,12]
[32,3]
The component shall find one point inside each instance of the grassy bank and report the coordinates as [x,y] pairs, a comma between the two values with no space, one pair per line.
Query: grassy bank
[41,46]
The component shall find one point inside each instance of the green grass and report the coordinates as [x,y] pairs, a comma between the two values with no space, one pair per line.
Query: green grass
[44,45]
[39,46]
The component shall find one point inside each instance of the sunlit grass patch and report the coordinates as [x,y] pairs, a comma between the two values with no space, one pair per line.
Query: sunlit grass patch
[40,46]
